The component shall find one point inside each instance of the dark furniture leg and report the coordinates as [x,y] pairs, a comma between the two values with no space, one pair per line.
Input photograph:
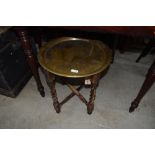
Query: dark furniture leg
[26,44]
[50,78]
[38,36]
[147,49]
[90,104]
[150,78]
[115,43]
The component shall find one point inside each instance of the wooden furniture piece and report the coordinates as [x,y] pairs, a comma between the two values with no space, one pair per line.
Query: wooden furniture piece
[14,70]
[26,44]
[134,31]
[74,59]
[150,78]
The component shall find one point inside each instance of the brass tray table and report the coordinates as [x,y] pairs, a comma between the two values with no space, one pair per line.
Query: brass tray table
[74,58]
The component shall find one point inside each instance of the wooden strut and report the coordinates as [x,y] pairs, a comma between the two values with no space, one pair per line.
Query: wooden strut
[70,96]
[77,93]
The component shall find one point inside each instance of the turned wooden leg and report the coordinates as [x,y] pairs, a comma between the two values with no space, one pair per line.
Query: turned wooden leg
[50,78]
[150,78]
[90,104]
[26,44]
[147,49]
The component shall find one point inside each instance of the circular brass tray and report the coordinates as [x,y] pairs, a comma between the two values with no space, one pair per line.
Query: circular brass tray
[74,57]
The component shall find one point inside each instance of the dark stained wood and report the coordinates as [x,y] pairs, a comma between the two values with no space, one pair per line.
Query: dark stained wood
[50,78]
[147,49]
[77,93]
[26,44]
[124,30]
[132,31]
[94,83]
[38,36]
[70,96]
[150,78]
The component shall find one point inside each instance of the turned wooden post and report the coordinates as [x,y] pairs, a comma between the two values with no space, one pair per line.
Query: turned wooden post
[50,78]
[26,44]
[150,78]
[94,83]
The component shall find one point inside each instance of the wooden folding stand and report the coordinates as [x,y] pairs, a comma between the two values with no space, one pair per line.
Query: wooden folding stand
[50,78]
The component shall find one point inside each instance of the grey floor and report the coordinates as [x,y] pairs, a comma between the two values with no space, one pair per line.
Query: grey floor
[114,95]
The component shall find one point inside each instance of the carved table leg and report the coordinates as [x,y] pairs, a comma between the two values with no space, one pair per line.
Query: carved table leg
[150,78]
[26,44]
[90,104]
[50,78]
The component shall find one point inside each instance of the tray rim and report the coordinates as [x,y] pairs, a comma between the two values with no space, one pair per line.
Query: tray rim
[62,39]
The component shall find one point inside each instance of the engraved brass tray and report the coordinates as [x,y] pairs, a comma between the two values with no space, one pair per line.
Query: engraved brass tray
[74,57]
